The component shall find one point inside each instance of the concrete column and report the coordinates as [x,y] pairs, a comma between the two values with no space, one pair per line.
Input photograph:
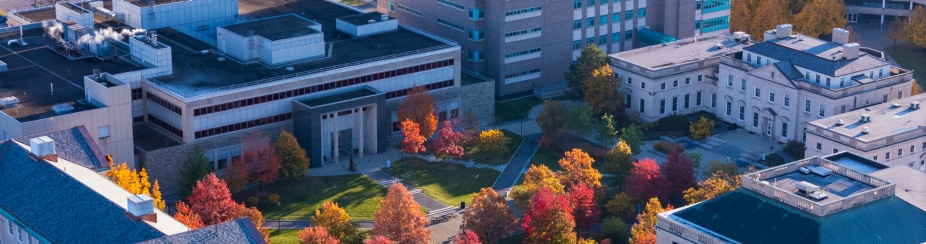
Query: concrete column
[335,135]
[360,130]
[883,6]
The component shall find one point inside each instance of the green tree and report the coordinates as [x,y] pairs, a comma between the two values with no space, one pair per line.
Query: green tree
[634,137]
[701,129]
[619,160]
[820,17]
[720,167]
[914,31]
[194,168]
[615,229]
[695,159]
[621,205]
[293,157]
[601,91]
[553,121]
[606,130]
[580,119]
[591,59]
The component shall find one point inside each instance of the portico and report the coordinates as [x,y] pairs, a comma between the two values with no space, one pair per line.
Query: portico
[342,124]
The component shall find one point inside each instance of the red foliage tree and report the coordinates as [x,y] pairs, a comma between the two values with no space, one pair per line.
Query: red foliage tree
[419,107]
[212,201]
[400,218]
[680,174]
[412,142]
[549,219]
[645,180]
[378,240]
[316,235]
[186,216]
[467,237]
[260,158]
[585,209]
[446,143]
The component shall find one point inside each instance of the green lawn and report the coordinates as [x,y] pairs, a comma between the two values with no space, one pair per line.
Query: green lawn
[352,2]
[445,182]
[912,58]
[483,157]
[547,157]
[515,109]
[284,236]
[357,194]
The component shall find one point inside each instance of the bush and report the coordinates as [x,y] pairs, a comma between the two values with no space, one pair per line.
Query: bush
[667,147]
[672,123]
[615,229]
[274,199]
[701,129]
[251,201]
[795,149]
[494,141]
[774,160]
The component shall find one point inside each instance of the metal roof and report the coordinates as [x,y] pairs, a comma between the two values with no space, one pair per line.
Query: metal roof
[838,67]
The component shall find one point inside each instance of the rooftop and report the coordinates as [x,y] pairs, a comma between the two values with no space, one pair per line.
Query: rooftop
[148,139]
[315,101]
[146,3]
[274,28]
[815,54]
[38,15]
[679,52]
[75,145]
[235,231]
[364,19]
[836,186]
[911,184]
[886,120]
[856,162]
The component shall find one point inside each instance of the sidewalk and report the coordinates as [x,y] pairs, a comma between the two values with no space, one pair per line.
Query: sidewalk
[521,158]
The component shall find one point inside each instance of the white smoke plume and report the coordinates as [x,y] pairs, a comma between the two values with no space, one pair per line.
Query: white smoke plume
[104,34]
[53,30]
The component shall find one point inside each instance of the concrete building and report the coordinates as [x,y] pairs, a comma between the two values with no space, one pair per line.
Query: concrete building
[879,11]
[197,15]
[892,133]
[839,198]
[529,45]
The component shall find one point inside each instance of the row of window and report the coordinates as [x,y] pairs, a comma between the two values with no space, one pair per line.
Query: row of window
[243,125]
[687,102]
[522,11]
[138,119]
[136,94]
[429,87]
[165,125]
[523,52]
[887,155]
[603,20]
[19,232]
[522,73]
[602,40]
[320,87]
[165,104]
[404,8]
[451,25]
[522,32]
[452,4]
[687,82]
[577,4]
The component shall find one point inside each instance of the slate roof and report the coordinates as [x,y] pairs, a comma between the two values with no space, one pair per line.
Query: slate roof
[237,231]
[73,145]
[748,217]
[58,208]
[788,69]
[816,63]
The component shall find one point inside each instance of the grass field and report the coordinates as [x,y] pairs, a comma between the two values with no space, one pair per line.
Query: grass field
[483,157]
[284,236]
[515,109]
[445,182]
[357,194]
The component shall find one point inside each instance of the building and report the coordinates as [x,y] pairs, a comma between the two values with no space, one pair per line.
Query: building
[840,198]
[891,132]
[529,45]
[879,11]
[198,15]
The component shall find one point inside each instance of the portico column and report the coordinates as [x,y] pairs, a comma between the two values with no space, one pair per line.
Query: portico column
[334,133]
[360,126]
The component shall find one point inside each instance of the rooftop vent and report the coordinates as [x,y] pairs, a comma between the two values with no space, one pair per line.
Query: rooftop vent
[63,108]
[840,36]
[738,35]
[290,68]
[719,45]
[839,122]
[141,207]
[9,102]
[850,51]
[43,147]
[746,37]
[865,118]
[915,105]
[864,129]
[384,17]
[783,30]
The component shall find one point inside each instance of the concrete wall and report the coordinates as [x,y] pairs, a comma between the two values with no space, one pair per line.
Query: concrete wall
[202,15]
[17,234]
[293,49]
[65,14]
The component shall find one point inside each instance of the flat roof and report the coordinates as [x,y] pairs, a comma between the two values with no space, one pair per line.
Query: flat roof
[856,162]
[74,7]
[679,52]
[148,139]
[38,15]
[886,120]
[911,184]
[836,186]
[337,97]
[364,19]
[145,3]
[274,28]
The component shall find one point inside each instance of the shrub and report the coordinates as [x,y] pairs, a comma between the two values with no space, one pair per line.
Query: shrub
[667,147]
[701,129]
[795,149]
[251,201]
[615,229]
[672,123]
[774,160]
[274,199]
[494,141]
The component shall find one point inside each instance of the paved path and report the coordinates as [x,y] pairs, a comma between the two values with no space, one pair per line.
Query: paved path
[302,224]
[384,179]
[518,162]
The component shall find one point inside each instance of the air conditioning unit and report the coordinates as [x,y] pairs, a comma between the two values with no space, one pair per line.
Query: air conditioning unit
[915,105]
[895,105]
[865,118]
[839,122]
[63,108]
[864,129]
[9,102]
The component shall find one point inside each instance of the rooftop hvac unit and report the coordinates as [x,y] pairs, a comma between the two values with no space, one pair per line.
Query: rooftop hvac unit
[140,205]
[63,108]
[817,195]
[804,170]
[864,129]
[806,187]
[839,122]
[915,105]
[718,45]
[896,105]
[821,171]
[42,146]
[865,118]
[9,102]
[746,37]
[738,35]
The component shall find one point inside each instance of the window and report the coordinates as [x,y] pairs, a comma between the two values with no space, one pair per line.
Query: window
[687,100]
[771,96]
[755,119]
[591,2]
[523,52]
[628,35]
[742,113]
[522,11]
[730,80]
[641,13]
[589,41]
[576,4]
[628,14]
[576,45]
[729,107]
[603,39]
[899,94]
[700,78]
[759,60]
[643,85]
[642,107]
[819,146]
[476,35]
[521,32]
[576,24]
[758,92]
[103,131]
[842,109]
[629,100]
[822,110]
[590,22]
[663,86]
[10,224]
[20,234]
[784,129]
[603,20]
[615,37]
[630,80]
[924,146]
[807,106]
[476,14]
[662,106]
[912,149]
[687,80]
[818,79]
[522,73]
[827,81]
[451,25]
[674,104]
[885,98]
[698,99]
[616,17]
[675,83]
[452,4]
[899,152]
[713,100]
[391,6]
[787,101]
[409,10]
[887,156]
[749,57]
[743,85]
[475,55]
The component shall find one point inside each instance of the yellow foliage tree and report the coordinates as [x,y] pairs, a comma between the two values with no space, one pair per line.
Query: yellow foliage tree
[493,140]
[577,168]
[914,31]
[536,178]
[718,184]
[336,221]
[741,17]
[820,17]
[701,129]
[134,182]
[915,88]
[601,91]
[644,231]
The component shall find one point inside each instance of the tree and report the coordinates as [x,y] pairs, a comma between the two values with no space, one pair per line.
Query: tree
[601,91]
[718,184]
[549,219]
[135,183]
[614,228]
[580,119]
[467,237]
[316,235]
[470,124]
[645,229]
[493,140]
[211,201]
[156,194]
[915,88]
[606,130]
[819,17]
[621,205]
[590,59]
[337,222]
[400,218]
[701,129]
[256,217]
[237,175]
[186,216]
[379,240]
[771,13]
[914,31]
[634,137]
[795,6]
[195,167]
[412,142]
[895,30]
[741,17]
[260,158]
[645,180]
[419,107]
[293,158]
[715,166]
[620,159]
[796,149]
[585,241]
[695,159]
[489,216]
[552,121]
[447,141]
[537,177]
[584,207]
[577,168]
[680,175]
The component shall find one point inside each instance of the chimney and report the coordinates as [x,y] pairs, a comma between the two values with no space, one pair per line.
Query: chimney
[141,207]
[783,31]
[840,36]
[43,147]
[850,51]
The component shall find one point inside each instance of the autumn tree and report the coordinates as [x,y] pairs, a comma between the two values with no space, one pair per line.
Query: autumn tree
[895,31]
[644,231]
[771,13]
[537,177]
[601,91]
[412,141]
[337,222]
[211,201]
[619,159]
[645,180]
[448,140]
[419,107]
[293,158]
[489,216]
[584,207]
[261,158]
[621,205]
[742,14]
[135,183]
[552,121]
[715,166]
[470,124]
[718,184]
[795,6]
[701,129]
[194,168]
[577,168]
[915,88]
[156,195]
[493,140]
[634,137]
[378,240]
[680,174]
[467,237]
[256,217]
[549,219]
[400,218]
[186,216]
[316,235]
[820,17]
[914,31]
[580,119]
[589,60]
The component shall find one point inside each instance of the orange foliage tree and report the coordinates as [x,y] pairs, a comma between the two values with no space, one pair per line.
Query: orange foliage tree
[256,217]
[467,237]
[400,218]
[258,162]
[186,216]
[378,240]
[489,216]
[644,231]
[412,142]
[316,235]
[419,107]
[577,168]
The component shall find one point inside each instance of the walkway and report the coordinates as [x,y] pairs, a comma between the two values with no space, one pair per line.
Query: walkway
[521,158]
[302,224]
[386,180]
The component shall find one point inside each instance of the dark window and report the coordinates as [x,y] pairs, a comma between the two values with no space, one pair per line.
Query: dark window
[136,94]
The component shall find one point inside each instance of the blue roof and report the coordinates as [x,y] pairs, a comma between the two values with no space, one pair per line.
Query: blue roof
[237,231]
[748,217]
[816,63]
[74,145]
[55,207]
